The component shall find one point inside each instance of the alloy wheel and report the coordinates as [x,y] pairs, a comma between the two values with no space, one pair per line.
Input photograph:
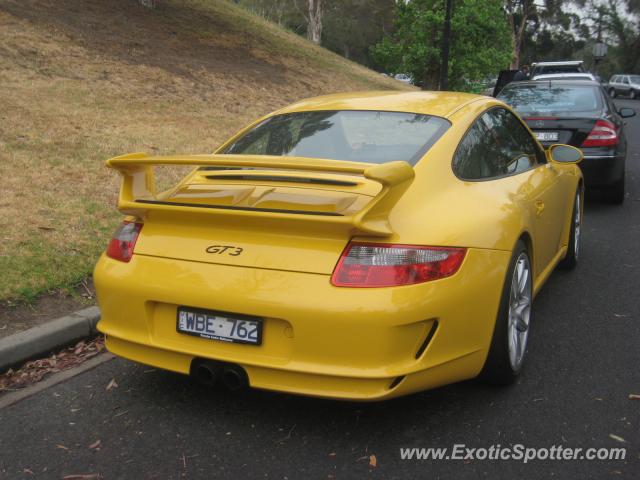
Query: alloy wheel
[520,299]
[577,224]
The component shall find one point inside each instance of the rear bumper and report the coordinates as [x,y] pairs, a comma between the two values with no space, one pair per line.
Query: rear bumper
[601,169]
[318,339]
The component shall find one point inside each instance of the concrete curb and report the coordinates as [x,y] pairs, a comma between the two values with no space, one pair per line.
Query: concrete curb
[53,335]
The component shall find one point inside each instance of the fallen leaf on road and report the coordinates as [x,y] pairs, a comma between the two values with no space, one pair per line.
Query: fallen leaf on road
[112,384]
[95,444]
[617,438]
[373,461]
[634,396]
[332,454]
[35,370]
[62,447]
[27,470]
[78,348]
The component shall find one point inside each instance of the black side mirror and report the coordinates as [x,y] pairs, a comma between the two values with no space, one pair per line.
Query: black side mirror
[627,112]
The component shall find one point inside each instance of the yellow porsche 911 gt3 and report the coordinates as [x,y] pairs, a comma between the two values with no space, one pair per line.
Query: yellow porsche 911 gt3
[358,246]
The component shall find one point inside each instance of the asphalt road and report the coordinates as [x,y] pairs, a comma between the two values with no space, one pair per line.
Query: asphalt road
[584,361]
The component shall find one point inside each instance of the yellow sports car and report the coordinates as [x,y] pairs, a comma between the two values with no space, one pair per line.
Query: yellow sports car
[358,246]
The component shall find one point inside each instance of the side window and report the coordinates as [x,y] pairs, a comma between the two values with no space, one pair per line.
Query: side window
[496,145]
[625,80]
[614,79]
[607,101]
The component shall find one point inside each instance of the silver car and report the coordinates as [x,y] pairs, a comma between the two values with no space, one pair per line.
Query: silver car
[628,85]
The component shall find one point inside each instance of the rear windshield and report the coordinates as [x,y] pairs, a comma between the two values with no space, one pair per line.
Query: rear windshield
[354,135]
[562,100]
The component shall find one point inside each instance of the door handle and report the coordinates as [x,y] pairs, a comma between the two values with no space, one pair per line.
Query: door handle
[539,208]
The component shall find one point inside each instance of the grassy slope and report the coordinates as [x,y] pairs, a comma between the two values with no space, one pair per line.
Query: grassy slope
[83,80]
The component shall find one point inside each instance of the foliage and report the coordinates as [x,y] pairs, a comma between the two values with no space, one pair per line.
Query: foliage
[623,33]
[349,27]
[551,43]
[480,42]
[352,26]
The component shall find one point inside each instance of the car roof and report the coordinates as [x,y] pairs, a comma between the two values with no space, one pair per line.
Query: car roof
[568,62]
[542,83]
[440,104]
[560,76]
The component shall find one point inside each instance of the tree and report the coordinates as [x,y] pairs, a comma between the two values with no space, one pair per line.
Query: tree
[313,18]
[480,42]
[621,31]
[351,27]
[518,14]
[522,14]
[314,28]
[553,33]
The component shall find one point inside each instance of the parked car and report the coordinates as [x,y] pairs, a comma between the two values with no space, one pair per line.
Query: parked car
[403,77]
[566,76]
[567,66]
[578,113]
[326,249]
[488,85]
[627,85]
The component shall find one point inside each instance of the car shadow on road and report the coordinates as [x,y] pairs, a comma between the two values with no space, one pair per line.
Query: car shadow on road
[440,409]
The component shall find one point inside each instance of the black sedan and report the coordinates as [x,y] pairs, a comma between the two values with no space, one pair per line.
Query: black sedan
[577,113]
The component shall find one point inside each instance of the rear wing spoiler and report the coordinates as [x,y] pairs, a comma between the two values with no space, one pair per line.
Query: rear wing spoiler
[138,191]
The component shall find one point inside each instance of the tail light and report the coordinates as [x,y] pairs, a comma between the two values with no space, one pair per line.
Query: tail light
[123,240]
[603,134]
[386,265]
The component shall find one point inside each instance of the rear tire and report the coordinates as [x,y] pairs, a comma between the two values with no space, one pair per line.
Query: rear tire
[615,193]
[511,331]
[612,92]
[573,248]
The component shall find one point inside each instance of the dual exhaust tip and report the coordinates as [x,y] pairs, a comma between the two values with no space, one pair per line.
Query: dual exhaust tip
[211,373]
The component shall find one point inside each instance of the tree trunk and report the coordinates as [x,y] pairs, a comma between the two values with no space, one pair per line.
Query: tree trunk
[314,26]
[515,56]
[446,40]
[430,80]
[517,31]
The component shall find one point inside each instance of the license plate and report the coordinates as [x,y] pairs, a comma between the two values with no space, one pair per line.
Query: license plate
[547,136]
[227,327]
